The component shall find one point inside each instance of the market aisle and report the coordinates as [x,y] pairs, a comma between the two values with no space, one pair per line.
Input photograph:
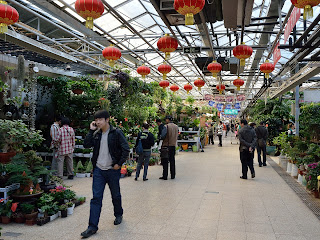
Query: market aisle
[207,200]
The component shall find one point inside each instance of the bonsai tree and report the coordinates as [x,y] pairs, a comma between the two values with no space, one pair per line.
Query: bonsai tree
[15,135]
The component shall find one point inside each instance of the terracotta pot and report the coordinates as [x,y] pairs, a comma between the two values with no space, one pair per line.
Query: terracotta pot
[31,222]
[19,219]
[316,194]
[5,219]
[31,216]
[6,157]
[77,91]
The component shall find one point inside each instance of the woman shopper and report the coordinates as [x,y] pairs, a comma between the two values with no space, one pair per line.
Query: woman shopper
[210,130]
[147,140]
[219,133]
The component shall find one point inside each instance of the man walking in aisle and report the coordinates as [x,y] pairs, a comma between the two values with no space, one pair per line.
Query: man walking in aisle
[170,136]
[248,139]
[54,129]
[219,133]
[66,141]
[262,135]
[210,131]
[110,151]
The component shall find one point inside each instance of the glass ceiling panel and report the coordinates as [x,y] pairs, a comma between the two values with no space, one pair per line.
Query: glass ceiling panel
[107,22]
[131,9]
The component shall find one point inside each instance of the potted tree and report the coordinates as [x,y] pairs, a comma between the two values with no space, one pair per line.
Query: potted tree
[14,136]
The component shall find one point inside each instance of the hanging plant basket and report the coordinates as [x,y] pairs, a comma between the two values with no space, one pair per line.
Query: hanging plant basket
[77,91]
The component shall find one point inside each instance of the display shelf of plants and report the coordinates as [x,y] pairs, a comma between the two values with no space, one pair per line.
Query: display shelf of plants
[189,138]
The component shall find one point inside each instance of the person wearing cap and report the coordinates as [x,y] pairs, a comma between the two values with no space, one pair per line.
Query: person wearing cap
[169,135]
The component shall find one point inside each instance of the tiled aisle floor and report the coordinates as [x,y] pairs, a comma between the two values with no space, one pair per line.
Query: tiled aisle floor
[207,200]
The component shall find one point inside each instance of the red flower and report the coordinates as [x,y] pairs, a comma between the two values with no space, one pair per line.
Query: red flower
[14,206]
[126,119]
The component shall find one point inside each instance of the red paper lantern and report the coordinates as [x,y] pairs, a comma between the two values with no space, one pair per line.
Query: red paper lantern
[221,88]
[242,52]
[112,54]
[187,87]
[167,45]
[89,10]
[307,6]
[143,71]
[164,69]
[174,88]
[214,68]
[199,83]
[238,83]
[267,68]
[164,84]
[188,8]
[8,16]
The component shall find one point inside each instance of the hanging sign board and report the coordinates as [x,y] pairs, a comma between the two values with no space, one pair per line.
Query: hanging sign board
[294,17]
[211,103]
[220,98]
[237,106]
[231,111]
[208,97]
[192,50]
[276,54]
[241,97]
[229,98]
[228,106]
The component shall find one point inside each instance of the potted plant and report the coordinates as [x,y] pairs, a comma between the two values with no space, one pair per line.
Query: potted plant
[17,214]
[6,212]
[69,195]
[63,209]
[14,136]
[78,152]
[87,153]
[130,170]
[29,213]
[70,207]
[89,169]
[80,170]
[82,200]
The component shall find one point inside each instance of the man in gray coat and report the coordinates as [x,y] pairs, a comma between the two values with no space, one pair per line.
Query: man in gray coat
[262,136]
[248,139]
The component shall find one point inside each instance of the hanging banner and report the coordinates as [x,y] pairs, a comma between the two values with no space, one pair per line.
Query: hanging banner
[294,17]
[276,54]
[211,103]
[229,98]
[220,107]
[241,97]
[220,98]
[237,106]
[231,111]
[208,97]
[228,106]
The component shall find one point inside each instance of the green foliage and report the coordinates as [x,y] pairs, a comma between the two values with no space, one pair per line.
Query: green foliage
[5,208]
[27,208]
[190,100]
[63,207]
[89,167]
[310,121]
[79,168]
[15,135]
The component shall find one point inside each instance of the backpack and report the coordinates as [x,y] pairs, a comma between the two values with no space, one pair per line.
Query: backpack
[139,148]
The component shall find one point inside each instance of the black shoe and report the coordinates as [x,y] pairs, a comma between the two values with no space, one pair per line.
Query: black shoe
[264,164]
[145,179]
[260,165]
[118,220]
[253,175]
[243,177]
[70,177]
[135,179]
[173,177]
[88,233]
[163,178]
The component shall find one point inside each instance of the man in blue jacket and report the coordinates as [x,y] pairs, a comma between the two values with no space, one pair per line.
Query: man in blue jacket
[110,151]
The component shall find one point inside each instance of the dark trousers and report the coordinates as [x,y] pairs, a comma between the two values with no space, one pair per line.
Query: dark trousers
[211,139]
[264,152]
[143,158]
[100,179]
[172,161]
[246,158]
[220,140]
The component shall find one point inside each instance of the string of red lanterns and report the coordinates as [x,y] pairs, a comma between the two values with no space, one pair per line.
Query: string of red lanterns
[174,88]
[214,68]
[267,68]
[188,8]
[164,84]
[143,71]
[238,83]
[8,16]
[307,5]
[199,83]
[167,45]
[164,69]
[242,52]
[187,87]
[221,88]
[112,54]
[89,10]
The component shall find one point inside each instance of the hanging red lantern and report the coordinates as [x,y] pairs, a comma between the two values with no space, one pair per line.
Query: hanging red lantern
[8,16]
[189,8]
[164,84]
[221,88]
[242,52]
[164,69]
[267,68]
[199,83]
[143,71]
[89,10]
[214,68]
[174,88]
[307,5]
[112,54]
[167,45]
[187,87]
[238,83]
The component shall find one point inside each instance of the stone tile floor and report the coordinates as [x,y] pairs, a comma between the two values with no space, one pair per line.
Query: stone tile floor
[207,200]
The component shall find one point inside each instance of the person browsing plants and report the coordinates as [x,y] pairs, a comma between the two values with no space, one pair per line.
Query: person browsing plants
[110,151]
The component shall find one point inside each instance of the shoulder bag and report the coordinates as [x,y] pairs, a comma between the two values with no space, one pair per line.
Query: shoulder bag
[164,151]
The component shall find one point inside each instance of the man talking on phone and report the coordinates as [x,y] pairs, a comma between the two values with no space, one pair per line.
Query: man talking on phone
[248,139]
[110,151]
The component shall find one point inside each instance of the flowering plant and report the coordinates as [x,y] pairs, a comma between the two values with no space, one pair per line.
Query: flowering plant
[104,103]
[312,176]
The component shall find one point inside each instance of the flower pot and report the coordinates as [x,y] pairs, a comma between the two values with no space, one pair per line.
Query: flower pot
[19,219]
[294,170]
[184,146]
[129,174]
[77,91]
[43,220]
[300,178]
[87,155]
[54,216]
[81,175]
[31,222]
[5,219]
[64,213]
[316,194]
[88,174]
[283,163]
[78,154]
[31,216]
[6,157]
[194,148]
[70,210]
[289,167]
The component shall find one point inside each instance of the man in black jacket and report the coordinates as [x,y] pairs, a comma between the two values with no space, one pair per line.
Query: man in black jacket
[247,138]
[110,151]
[262,135]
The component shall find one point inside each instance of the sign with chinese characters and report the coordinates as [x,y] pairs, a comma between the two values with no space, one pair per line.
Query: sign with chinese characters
[231,111]
[294,17]
[229,98]
[241,97]
[220,98]
[211,103]
[191,50]
[219,107]
[208,97]
[276,54]
[237,106]
[228,106]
